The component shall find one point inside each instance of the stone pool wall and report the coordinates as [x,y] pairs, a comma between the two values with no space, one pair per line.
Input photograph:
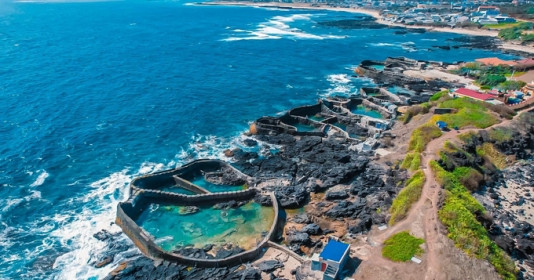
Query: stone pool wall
[152,182]
[126,211]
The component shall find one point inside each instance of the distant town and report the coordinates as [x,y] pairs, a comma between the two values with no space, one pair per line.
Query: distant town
[513,19]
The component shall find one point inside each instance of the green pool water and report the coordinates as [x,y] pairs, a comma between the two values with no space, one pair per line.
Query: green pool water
[340,125]
[362,110]
[171,226]
[378,67]
[201,182]
[317,118]
[400,90]
[304,128]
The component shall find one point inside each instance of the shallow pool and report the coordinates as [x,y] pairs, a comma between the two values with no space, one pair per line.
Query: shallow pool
[362,110]
[305,128]
[201,182]
[378,67]
[173,226]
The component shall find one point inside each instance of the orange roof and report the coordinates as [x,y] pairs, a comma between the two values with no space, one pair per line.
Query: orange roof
[495,61]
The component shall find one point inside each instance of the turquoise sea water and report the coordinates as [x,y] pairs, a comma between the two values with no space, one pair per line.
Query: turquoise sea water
[94,94]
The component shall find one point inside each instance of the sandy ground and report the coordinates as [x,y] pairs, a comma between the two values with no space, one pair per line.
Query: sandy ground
[437,74]
[527,77]
[376,15]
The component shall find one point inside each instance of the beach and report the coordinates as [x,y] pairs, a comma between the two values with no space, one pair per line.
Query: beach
[510,46]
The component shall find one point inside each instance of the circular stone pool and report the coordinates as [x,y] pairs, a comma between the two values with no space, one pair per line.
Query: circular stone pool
[175,226]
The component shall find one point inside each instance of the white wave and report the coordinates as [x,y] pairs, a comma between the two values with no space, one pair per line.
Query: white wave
[382,44]
[40,179]
[432,40]
[338,78]
[76,228]
[277,28]
[340,84]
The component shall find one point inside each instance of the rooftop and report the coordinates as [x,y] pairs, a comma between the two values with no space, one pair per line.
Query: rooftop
[495,61]
[473,94]
[334,250]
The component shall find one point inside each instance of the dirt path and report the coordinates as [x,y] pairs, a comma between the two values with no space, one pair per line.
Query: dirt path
[422,221]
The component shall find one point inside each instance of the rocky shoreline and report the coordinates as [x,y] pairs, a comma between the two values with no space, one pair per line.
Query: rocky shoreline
[330,181]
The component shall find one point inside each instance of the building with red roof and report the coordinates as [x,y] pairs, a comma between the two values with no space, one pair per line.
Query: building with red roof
[473,94]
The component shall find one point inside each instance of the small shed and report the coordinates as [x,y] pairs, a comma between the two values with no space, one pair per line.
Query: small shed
[332,259]
[441,124]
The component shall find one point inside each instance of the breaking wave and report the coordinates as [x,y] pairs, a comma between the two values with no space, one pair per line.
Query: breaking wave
[277,28]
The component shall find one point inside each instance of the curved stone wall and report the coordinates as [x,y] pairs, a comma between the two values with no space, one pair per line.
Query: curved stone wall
[152,182]
[127,212]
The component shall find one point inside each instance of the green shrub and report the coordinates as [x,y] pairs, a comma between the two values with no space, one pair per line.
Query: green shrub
[458,214]
[438,95]
[469,177]
[511,85]
[412,161]
[402,246]
[500,134]
[527,37]
[467,117]
[422,135]
[510,33]
[490,153]
[491,79]
[407,197]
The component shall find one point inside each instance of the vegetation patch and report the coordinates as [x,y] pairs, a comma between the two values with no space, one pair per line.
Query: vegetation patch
[458,214]
[402,246]
[511,85]
[438,95]
[470,113]
[407,197]
[501,134]
[516,32]
[412,161]
[422,135]
[489,152]
[468,176]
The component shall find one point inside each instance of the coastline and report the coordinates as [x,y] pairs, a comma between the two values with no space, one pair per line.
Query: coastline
[376,15]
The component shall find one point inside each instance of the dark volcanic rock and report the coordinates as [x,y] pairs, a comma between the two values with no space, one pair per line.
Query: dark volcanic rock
[336,194]
[250,142]
[363,226]
[296,237]
[291,196]
[301,219]
[312,229]
[226,252]
[241,155]
[270,265]
[264,200]
[245,274]
[344,209]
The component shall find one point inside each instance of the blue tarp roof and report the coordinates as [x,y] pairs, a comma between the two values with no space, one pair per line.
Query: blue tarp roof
[334,250]
[441,124]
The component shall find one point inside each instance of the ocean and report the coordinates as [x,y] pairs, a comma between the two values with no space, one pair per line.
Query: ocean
[93,94]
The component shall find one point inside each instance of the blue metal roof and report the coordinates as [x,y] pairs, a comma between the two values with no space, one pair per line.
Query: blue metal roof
[334,250]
